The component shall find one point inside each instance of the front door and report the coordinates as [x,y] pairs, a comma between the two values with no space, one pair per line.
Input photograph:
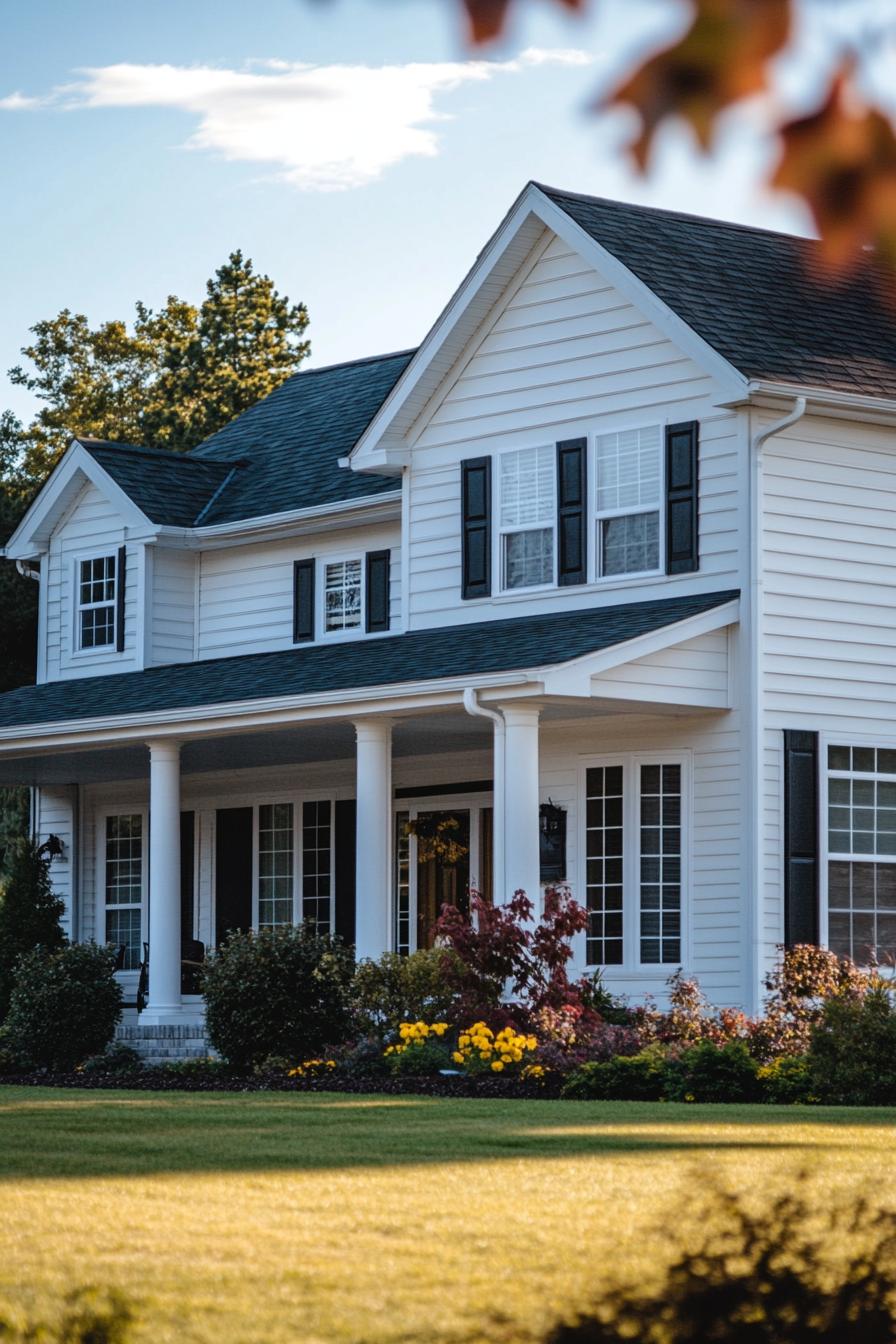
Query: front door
[233,871]
[443,867]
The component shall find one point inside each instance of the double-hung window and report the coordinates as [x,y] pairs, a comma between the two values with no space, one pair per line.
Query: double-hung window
[528,509]
[124,885]
[628,491]
[96,602]
[861,853]
[276,865]
[343,583]
[634,862]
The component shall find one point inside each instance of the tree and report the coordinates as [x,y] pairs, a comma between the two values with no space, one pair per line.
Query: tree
[29,913]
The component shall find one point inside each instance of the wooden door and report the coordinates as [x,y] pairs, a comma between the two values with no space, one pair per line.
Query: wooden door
[443,867]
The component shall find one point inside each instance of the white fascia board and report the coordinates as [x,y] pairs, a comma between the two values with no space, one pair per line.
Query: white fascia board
[268,527]
[574,678]
[375,450]
[75,469]
[823,400]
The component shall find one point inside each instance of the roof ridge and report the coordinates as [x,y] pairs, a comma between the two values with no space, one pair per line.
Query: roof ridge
[673,214]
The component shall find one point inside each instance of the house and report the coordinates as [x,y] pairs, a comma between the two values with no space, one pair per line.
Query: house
[599,582]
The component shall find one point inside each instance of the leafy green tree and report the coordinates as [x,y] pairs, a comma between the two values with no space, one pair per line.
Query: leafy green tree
[29,913]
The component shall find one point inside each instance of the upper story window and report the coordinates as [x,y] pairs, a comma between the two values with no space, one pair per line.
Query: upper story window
[629,480]
[528,509]
[862,852]
[343,595]
[96,584]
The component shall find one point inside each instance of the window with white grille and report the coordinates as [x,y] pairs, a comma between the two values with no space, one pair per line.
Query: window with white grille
[96,602]
[862,853]
[528,508]
[276,861]
[628,469]
[343,595]
[124,886]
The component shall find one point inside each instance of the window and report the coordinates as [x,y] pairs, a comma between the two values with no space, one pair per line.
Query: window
[402,884]
[628,501]
[634,862]
[275,865]
[316,904]
[862,852]
[528,512]
[124,886]
[96,602]
[660,862]
[343,589]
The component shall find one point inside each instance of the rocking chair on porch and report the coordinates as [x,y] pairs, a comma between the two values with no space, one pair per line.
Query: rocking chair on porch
[192,959]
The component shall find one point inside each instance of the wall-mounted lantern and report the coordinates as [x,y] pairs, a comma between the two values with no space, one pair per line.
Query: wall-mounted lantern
[52,848]
[552,846]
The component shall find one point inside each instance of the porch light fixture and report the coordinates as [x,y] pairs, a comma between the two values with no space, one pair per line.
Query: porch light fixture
[552,842]
[52,848]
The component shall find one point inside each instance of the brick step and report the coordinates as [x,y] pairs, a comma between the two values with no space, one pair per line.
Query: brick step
[165,1045]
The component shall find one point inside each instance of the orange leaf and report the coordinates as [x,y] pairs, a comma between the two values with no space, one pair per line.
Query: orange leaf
[488,17]
[842,160]
[722,58]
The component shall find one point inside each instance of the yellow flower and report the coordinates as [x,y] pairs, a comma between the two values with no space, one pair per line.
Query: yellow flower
[457,1057]
[531,1043]
[497,1065]
[517,1056]
[463,1040]
[440,1028]
[507,1059]
[484,1054]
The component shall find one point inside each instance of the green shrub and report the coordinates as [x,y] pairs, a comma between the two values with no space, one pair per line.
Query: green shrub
[64,1005]
[116,1058]
[395,989]
[640,1077]
[278,992]
[708,1072]
[29,913]
[787,1080]
[852,1052]
[424,1057]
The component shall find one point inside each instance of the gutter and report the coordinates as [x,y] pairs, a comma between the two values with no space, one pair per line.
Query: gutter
[757,696]
[472,706]
[277,522]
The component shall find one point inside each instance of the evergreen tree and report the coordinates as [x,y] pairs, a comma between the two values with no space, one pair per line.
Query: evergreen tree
[29,913]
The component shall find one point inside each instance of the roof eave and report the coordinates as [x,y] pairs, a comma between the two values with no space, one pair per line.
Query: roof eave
[372,508]
[820,400]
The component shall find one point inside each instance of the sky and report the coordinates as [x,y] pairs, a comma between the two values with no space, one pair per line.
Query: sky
[355,149]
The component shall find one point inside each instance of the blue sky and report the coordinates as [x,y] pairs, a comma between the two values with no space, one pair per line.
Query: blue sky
[141,142]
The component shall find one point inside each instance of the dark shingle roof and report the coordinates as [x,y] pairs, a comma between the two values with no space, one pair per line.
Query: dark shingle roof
[421,655]
[766,301]
[170,488]
[293,439]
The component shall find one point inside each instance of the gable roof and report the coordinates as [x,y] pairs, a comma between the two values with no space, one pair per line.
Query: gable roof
[482,647]
[765,301]
[169,488]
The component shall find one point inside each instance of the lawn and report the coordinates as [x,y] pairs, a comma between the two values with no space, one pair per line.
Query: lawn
[328,1217]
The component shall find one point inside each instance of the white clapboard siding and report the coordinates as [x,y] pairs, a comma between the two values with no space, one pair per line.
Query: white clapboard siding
[173,605]
[91,527]
[564,354]
[245,592]
[55,814]
[828,623]
[693,672]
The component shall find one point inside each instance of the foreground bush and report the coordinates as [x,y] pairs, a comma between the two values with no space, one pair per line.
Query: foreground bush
[64,1005]
[760,1279]
[395,989]
[640,1077]
[787,1081]
[713,1073]
[852,1051]
[283,992]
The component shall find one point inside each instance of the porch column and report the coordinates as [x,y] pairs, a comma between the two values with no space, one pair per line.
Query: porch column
[521,842]
[164,883]
[373,883]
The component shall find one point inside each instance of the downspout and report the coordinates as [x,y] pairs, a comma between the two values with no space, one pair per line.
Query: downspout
[472,706]
[28,570]
[757,693]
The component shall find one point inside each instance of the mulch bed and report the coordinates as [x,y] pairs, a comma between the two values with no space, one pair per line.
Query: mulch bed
[173,1080]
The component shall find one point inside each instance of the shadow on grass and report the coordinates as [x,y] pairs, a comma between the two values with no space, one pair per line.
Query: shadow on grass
[48,1133]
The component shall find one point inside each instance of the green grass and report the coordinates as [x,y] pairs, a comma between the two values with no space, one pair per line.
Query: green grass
[293,1218]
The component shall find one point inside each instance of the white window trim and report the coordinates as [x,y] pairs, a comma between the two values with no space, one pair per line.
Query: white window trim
[825,854]
[502,532]
[102,816]
[597,516]
[631,762]
[298,801]
[323,563]
[99,650]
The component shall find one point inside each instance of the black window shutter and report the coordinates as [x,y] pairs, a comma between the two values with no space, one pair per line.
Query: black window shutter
[303,601]
[800,837]
[377,581]
[476,507]
[682,480]
[344,849]
[121,575]
[572,532]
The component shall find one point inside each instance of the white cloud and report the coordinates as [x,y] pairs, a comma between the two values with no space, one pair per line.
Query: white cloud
[320,127]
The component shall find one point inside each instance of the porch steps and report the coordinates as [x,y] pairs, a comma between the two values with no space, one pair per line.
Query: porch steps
[164,1045]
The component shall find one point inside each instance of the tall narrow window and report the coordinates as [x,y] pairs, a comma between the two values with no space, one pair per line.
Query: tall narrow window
[342,595]
[862,853]
[660,862]
[275,865]
[316,865]
[604,857]
[527,517]
[96,602]
[628,501]
[402,885]
[124,885]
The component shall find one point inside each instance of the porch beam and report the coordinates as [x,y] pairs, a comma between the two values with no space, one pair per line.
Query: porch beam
[373,873]
[164,1003]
